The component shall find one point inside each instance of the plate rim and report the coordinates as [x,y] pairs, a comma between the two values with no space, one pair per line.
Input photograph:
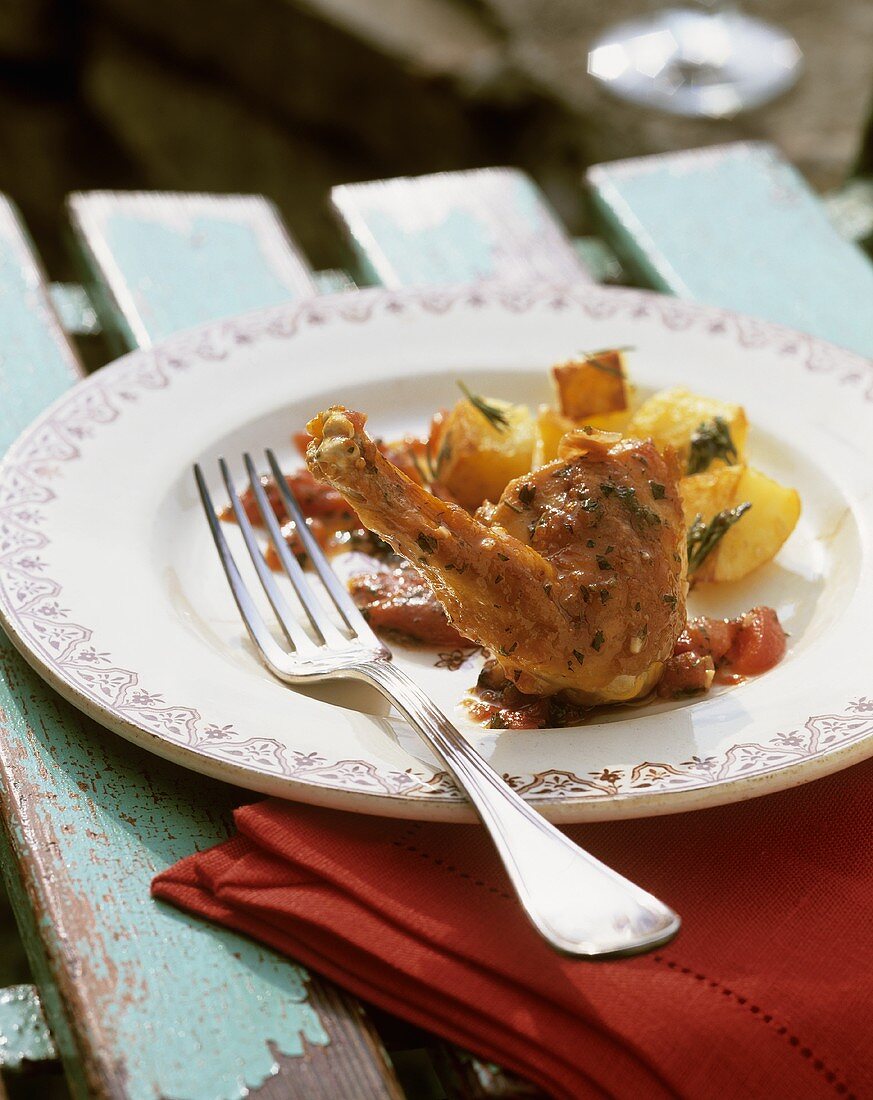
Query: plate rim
[441,800]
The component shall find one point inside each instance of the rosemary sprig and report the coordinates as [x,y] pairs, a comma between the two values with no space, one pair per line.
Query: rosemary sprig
[495,416]
[595,358]
[424,464]
[704,537]
[709,441]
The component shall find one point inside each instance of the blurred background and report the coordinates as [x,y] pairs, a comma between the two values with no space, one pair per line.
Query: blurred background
[287,97]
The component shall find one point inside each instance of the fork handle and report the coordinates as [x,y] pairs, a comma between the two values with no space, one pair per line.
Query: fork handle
[578,904]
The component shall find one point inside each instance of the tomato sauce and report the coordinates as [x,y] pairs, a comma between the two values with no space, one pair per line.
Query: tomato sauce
[498,704]
[708,651]
[314,497]
[723,651]
[334,524]
[396,599]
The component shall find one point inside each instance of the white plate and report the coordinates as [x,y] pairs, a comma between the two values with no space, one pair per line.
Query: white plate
[110,587]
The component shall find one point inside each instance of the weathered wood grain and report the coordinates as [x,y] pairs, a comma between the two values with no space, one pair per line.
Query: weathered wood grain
[456,227]
[142,1001]
[155,1003]
[162,262]
[736,226]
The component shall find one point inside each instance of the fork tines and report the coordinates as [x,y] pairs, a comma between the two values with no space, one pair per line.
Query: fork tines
[327,633]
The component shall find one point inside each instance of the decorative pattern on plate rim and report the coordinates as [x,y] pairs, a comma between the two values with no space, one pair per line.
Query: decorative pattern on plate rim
[33,601]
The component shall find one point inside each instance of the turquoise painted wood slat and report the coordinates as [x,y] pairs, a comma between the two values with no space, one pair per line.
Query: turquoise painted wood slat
[736,226]
[333,281]
[850,209]
[74,309]
[599,259]
[24,1035]
[456,227]
[166,261]
[36,362]
[142,1001]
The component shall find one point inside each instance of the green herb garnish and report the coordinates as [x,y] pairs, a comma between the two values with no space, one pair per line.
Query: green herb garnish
[595,358]
[444,454]
[709,441]
[427,469]
[627,494]
[495,416]
[704,537]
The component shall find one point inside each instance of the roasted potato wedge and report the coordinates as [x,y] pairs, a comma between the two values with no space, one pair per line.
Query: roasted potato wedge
[709,493]
[591,385]
[549,429]
[479,454]
[687,422]
[608,422]
[758,536]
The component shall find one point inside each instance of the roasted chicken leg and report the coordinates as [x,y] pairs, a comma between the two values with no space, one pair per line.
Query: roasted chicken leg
[575,580]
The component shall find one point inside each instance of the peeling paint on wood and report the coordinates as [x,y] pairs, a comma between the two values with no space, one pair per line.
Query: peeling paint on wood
[456,227]
[180,1008]
[166,261]
[779,257]
[142,1000]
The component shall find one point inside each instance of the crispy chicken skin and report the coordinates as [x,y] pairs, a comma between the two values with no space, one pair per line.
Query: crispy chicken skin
[575,580]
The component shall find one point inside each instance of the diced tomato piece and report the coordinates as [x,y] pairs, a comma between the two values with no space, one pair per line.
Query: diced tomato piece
[712,636]
[686,674]
[759,644]
[529,716]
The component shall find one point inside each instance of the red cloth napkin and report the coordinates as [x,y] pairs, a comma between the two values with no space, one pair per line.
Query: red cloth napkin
[766,992]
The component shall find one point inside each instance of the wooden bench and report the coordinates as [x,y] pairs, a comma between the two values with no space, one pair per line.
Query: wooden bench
[137,1000]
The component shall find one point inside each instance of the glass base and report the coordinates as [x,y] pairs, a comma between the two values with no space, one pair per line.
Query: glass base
[710,64]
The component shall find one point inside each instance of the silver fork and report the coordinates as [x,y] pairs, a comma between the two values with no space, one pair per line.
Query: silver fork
[578,904]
